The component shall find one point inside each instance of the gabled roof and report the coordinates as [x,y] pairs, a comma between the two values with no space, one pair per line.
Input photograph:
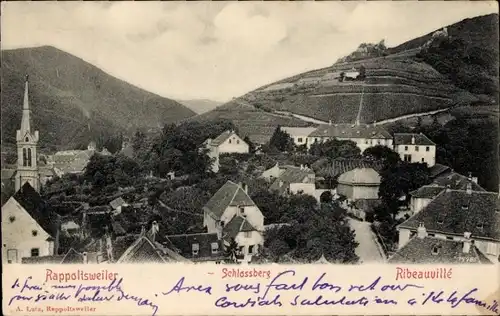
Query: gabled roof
[456,181]
[351,131]
[290,175]
[145,250]
[420,251]
[456,212]
[47,171]
[230,194]
[223,137]
[298,131]
[405,139]
[427,192]
[33,203]
[183,244]
[236,225]
[438,169]
[343,165]
[117,203]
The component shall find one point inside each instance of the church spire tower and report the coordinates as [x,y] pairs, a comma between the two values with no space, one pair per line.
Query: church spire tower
[27,145]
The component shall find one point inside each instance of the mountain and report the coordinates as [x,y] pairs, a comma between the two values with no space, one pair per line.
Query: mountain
[200,105]
[389,83]
[73,101]
[257,124]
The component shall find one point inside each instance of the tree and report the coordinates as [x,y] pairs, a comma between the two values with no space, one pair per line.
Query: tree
[271,204]
[326,197]
[251,145]
[383,153]
[335,148]
[281,140]
[231,252]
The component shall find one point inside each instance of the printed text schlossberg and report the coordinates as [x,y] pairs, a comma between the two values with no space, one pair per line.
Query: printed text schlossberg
[79,275]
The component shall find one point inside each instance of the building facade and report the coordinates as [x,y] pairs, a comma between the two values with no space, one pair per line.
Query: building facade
[415,148]
[359,184]
[226,143]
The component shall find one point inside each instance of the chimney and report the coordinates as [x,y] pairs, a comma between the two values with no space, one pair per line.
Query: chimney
[85,258]
[467,242]
[244,186]
[474,179]
[412,139]
[421,231]
[330,122]
[155,228]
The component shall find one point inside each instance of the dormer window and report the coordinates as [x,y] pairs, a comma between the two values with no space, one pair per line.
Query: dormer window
[215,247]
[435,250]
[26,139]
[195,249]
[34,233]
[222,223]
[440,220]
[465,207]
[242,211]
[479,225]
[12,219]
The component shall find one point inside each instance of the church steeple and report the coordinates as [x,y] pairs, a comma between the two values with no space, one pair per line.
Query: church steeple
[27,145]
[26,120]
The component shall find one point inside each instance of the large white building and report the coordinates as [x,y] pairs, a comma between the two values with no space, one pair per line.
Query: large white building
[365,136]
[415,148]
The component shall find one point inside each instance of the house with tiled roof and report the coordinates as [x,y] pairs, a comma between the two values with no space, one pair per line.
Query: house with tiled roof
[294,180]
[365,136]
[359,183]
[415,148]
[450,180]
[148,248]
[203,247]
[231,206]
[325,168]
[299,134]
[226,143]
[422,249]
[29,227]
[452,213]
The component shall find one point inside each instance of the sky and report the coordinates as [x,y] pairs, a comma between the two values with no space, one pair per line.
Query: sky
[219,50]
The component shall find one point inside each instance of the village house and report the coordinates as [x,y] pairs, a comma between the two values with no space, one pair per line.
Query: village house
[148,248]
[351,74]
[73,161]
[359,183]
[202,247]
[29,227]
[231,211]
[454,214]
[415,148]
[421,197]
[365,136]
[299,134]
[294,180]
[422,249]
[308,81]
[226,143]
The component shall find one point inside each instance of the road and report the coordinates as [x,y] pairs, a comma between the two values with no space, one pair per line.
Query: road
[368,250]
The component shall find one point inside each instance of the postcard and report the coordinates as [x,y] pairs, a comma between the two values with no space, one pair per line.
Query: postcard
[254,158]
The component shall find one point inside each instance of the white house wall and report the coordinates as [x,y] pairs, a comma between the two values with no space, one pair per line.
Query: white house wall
[231,145]
[18,235]
[421,155]
[306,188]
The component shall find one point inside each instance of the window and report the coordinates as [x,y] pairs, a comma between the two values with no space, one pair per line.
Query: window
[35,252]
[406,148]
[407,158]
[11,255]
[237,141]
[25,157]
[423,159]
[440,220]
[222,223]
[34,233]
[230,141]
[195,249]
[491,248]
[299,139]
[435,250]
[250,249]
[449,238]
[479,225]
[427,148]
[416,148]
[366,142]
[242,211]
[215,247]
[248,234]
[26,139]
[431,235]
[378,142]
[12,219]
[29,157]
